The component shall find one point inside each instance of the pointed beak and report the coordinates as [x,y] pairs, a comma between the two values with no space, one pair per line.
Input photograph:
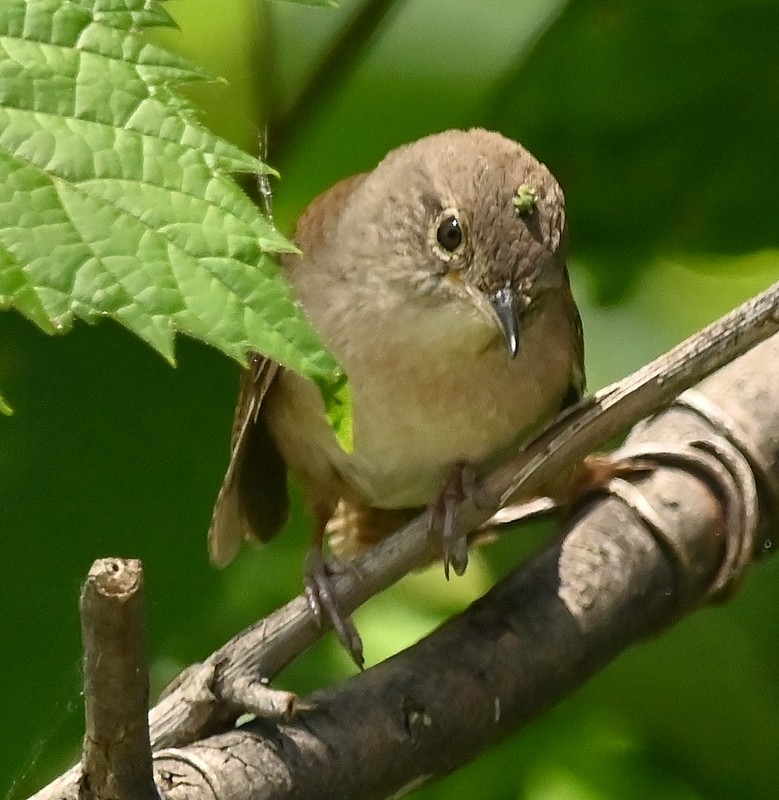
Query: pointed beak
[506,304]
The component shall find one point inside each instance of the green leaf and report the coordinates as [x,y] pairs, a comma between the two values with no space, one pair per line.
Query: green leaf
[115,201]
[338,405]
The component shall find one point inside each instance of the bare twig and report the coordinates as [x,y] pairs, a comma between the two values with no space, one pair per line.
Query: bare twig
[117,754]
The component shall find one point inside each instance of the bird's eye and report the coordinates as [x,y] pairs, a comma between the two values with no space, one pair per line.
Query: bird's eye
[449,233]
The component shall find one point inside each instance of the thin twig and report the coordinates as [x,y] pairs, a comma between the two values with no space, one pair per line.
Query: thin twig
[615,408]
[265,648]
[271,644]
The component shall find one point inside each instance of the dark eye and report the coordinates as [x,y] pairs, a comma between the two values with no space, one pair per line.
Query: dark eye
[449,234]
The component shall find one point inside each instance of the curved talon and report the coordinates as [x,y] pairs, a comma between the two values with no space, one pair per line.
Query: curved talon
[322,600]
[461,485]
[455,547]
[314,600]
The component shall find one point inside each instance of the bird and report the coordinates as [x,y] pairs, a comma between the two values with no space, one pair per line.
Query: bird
[439,282]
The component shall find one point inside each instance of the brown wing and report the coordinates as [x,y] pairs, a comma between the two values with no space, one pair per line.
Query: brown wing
[253,498]
[578,380]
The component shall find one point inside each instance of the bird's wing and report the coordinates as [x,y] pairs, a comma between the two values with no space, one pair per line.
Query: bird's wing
[578,379]
[252,500]
[316,227]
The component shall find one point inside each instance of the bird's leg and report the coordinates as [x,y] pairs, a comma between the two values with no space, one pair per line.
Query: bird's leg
[461,485]
[322,598]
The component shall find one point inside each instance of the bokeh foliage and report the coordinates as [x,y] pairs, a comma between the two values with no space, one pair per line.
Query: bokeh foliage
[660,121]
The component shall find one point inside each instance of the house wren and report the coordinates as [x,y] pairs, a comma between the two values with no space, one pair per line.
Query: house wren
[439,282]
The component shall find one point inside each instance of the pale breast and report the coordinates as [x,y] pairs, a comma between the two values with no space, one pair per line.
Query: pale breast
[422,403]
[419,416]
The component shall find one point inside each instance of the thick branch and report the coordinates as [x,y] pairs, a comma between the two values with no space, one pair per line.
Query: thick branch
[609,580]
[529,642]
[117,754]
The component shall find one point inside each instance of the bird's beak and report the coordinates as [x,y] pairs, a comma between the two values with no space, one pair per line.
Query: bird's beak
[506,304]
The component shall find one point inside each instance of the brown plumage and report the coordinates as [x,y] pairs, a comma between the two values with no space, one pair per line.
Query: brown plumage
[447,302]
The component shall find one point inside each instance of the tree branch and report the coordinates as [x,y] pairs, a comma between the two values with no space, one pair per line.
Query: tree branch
[117,754]
[613,577]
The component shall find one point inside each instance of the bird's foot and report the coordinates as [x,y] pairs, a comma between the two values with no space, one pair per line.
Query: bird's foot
[461,485]
[595,473]
[323,601]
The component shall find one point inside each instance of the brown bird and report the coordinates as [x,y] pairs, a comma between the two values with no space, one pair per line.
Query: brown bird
[439,282]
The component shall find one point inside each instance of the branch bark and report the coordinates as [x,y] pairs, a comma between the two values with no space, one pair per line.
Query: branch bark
[117,754]
[613,577]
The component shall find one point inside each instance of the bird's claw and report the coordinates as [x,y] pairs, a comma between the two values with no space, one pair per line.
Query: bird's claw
[596,471]
[460,486]
[323,602]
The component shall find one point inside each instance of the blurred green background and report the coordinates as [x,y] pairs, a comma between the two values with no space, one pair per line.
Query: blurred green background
[660,120]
